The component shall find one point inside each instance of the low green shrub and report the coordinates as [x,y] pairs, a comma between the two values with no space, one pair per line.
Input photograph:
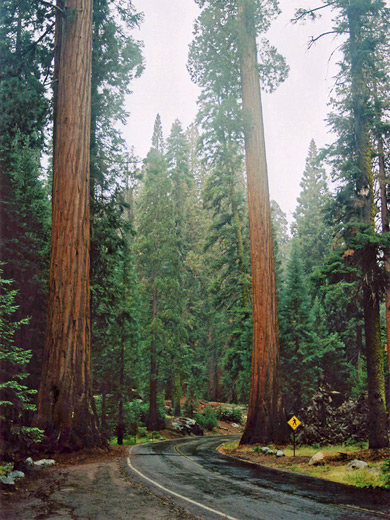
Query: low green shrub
[233,414]
[207,420]
[190,406]
[362,445]
[135,412]
[386,473]
[142,432]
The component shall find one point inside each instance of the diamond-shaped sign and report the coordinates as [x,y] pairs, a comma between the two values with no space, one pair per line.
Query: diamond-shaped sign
[294,422]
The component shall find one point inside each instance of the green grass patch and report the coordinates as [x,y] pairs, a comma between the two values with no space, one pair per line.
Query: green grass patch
[359,477]
[300,451]
[229,446]
[309,451]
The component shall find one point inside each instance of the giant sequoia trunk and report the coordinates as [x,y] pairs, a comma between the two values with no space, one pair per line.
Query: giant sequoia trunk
[264,422]
[378,436]
[66,408]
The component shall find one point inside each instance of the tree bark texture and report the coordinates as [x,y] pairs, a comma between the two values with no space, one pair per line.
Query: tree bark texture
[377,430]
[66,408]
[264,422]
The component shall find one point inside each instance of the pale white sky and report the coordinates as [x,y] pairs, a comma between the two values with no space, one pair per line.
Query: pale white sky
[293,115]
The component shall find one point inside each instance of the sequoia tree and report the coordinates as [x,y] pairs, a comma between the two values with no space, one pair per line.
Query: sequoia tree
[224,50]
[66,408]
[264,413]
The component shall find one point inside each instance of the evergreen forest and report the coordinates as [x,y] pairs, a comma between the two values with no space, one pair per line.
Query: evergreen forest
[132,288]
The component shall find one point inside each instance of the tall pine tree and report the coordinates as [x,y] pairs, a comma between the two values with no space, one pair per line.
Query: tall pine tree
[157,266]
[24,207]
[365,25]
[310,224]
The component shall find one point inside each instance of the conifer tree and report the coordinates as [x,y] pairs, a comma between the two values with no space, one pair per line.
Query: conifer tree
[183,185]
[15,396]
[157,137]
[24,206]
[66,408]
[116,61]
[366,27]
[216,65]
[356,52]
[157,265]
[228,243]
[310,225]
[198,315]
[265,421]
[281,236]
[115,310]
[297,339]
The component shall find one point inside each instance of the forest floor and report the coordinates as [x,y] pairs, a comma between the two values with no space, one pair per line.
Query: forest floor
[333,467]
[87,485]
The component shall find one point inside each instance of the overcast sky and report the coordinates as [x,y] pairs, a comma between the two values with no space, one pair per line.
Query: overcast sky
[293,115]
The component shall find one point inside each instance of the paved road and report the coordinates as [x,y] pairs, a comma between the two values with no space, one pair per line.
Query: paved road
[214,486]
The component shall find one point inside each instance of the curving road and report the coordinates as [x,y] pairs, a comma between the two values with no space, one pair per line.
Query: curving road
[214,486]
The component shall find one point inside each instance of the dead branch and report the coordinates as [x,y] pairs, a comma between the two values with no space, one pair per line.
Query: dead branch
[302,13]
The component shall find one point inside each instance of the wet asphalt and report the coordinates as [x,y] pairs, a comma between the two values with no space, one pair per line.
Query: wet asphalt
[214,486]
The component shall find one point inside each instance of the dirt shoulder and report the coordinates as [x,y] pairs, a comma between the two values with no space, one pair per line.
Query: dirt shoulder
[88,485]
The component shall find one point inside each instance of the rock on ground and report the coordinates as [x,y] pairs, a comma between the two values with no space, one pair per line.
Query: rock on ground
[186,426]
[356,464]
[317,458]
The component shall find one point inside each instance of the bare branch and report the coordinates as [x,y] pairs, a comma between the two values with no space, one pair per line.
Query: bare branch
[314,40]
[302,13]
[334,51]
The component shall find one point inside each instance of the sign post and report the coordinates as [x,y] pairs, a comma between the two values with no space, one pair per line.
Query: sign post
[294,422]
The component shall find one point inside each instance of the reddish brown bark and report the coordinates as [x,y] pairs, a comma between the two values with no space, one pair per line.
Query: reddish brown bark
[264,422]
[66,407]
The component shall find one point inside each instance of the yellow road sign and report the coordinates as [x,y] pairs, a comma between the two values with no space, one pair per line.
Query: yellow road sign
[294,422]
